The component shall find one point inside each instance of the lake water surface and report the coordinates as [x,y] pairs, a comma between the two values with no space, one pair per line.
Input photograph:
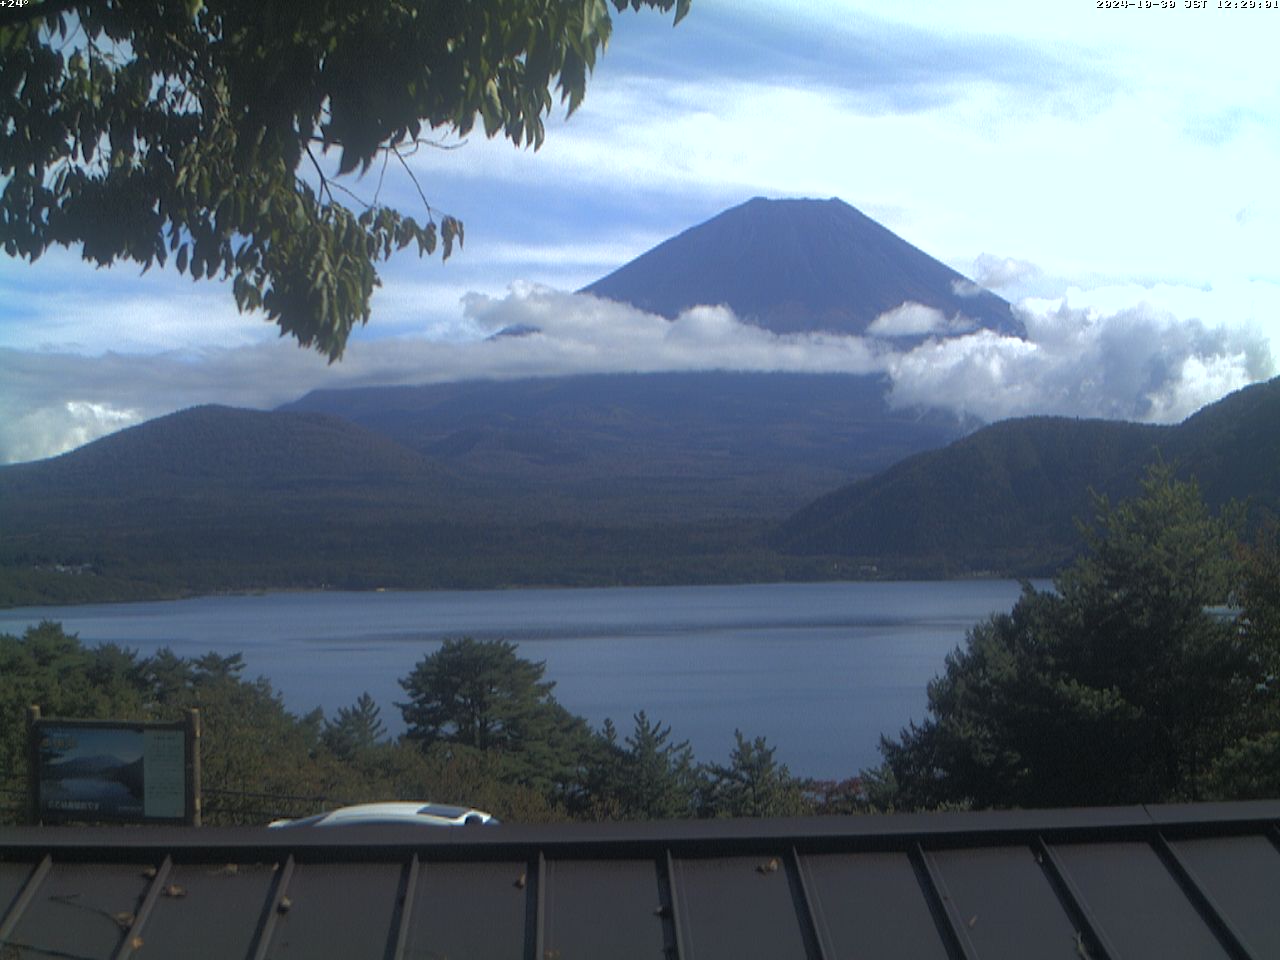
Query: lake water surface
[821,670]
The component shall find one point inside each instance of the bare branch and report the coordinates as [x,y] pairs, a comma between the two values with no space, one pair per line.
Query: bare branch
[324,181]
[386,158]
[334,185]
[436,144]
[417,186]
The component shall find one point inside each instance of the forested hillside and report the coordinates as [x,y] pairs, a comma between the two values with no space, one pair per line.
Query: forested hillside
[661,447]
[1007,497]
[214,499]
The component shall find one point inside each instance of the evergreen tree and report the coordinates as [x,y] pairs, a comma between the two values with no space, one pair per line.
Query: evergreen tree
[252,748]
[753,784]
[646,778]
[50,668]
[1250,768]
[356,729]
[659,776]
[480,696]
[1121,685]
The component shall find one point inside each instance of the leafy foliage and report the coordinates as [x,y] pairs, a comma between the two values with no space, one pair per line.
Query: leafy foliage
[1121,685]
[191,128]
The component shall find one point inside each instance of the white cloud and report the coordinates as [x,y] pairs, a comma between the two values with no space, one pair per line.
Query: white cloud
[579,332]
[998,273]
[916,320]
[1137,364]
[53,393]
[47,431]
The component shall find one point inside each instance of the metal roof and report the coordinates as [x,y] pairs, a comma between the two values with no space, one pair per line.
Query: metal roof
[1132,882]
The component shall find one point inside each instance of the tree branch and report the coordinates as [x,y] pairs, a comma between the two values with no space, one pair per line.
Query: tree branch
[324,181]
[417,186]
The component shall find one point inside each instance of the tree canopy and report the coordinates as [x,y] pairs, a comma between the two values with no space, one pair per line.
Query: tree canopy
[1128,682]
[194,129]
[479,696]
[356,729]
[646,777]
[496,739]
[753,784]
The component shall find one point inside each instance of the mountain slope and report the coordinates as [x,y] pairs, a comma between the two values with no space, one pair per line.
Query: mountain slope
[799,265]
[212,498]
[1007,497]
[215,499]
[628,447]
[1233,446]
[223,445]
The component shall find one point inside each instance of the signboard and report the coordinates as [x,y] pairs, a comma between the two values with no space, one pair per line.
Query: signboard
[114,771]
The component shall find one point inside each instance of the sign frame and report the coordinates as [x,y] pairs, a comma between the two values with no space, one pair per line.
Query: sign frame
[113,771]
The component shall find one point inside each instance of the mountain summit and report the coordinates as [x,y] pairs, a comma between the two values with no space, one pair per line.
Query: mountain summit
[805,265]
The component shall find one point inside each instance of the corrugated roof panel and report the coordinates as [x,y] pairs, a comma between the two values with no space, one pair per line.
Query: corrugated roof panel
[81,910]
[1137,902]
[347,910]
[1062,885]
[1242,876]
[13,877]
[735,907]
[871,905]
[475,909]
[1000,900]
[580,894]
[208,910]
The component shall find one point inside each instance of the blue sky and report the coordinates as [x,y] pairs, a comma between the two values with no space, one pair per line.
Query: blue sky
[1111,172]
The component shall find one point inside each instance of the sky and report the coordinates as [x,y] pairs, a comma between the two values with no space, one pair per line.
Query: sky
[1115,174]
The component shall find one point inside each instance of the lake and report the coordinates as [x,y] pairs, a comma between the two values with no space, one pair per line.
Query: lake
[821,669]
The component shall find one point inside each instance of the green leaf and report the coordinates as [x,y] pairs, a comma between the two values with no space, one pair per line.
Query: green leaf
[199,126]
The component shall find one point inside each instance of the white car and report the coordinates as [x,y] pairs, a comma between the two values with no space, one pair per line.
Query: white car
[414,812]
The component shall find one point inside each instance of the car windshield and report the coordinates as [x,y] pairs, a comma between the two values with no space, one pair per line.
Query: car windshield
[442,810]
[304,821]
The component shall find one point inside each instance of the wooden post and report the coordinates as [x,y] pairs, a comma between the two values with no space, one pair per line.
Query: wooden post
[33,765]
[193,767]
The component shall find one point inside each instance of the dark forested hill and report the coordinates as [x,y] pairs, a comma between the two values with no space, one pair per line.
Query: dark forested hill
[215,445]
[799,265]
[1233,446]
[210,498]
[216,499]
[663,446]
[1006,497]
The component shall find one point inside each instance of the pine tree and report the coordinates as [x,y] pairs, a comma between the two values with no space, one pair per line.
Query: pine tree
[356,729]
[1120,685]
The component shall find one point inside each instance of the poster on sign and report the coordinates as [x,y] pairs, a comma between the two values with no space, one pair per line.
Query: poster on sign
[102,771]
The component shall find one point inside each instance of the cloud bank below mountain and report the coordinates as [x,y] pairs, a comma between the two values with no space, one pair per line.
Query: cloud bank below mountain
[1135,364]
